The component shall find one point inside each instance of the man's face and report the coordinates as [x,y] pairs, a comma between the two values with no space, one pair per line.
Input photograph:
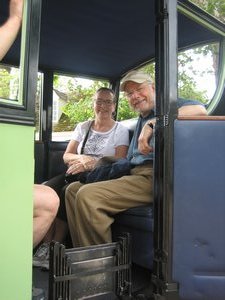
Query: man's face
[141,96]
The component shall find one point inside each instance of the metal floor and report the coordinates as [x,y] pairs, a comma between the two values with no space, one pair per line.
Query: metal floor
[40,281]
[141,287]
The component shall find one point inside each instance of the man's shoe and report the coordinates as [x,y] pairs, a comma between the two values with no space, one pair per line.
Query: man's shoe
[41,257]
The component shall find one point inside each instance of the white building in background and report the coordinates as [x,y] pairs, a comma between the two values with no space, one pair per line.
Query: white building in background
[59,100]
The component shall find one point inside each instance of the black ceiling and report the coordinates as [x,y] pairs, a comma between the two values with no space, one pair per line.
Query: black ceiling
[102,38]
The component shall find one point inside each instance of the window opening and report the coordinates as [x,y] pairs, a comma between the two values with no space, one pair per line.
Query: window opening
[72,103]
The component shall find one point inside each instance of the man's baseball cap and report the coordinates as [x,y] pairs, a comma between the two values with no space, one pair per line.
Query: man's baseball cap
[135,76]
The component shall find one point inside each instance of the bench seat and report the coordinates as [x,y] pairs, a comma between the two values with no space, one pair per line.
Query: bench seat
[138,221]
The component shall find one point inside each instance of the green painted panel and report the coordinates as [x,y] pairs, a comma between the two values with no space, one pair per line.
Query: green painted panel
[16,213]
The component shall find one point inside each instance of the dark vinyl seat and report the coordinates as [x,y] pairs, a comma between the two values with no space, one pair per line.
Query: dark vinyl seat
[138,221]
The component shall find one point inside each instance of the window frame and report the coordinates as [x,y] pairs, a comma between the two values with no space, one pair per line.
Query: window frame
[23,112]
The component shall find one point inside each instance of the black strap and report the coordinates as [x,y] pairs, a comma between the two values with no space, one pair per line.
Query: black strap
[86,137]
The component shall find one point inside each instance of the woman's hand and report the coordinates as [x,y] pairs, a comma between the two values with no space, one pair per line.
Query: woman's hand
[88,162]
[75,168]
[80,164]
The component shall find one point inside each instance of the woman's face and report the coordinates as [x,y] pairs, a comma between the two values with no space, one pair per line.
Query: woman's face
[104,105]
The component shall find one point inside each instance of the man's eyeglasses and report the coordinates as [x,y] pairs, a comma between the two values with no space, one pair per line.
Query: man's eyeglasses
[103,102]
[138,91]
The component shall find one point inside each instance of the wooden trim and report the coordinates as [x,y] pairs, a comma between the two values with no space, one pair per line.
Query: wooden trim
[200,118]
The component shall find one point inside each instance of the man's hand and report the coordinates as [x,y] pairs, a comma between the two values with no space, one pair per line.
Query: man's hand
[144,139]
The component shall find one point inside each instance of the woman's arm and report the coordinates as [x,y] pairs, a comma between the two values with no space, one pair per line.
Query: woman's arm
[71,152]
[77,162]
[122,141]
[121,151]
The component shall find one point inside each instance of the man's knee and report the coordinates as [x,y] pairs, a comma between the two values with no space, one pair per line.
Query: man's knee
[85,196]
[72,189]
[82,197]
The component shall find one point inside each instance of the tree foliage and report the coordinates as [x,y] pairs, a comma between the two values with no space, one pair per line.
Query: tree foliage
[5,80]
[124,110]
[187,85]
[213,7]
[9,82]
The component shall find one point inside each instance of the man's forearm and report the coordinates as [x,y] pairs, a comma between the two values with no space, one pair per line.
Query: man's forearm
[192,110]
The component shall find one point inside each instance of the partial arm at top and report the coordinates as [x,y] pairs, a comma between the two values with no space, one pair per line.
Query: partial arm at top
[10,29]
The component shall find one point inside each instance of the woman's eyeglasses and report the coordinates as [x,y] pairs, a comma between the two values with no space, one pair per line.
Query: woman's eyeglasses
[103,102]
